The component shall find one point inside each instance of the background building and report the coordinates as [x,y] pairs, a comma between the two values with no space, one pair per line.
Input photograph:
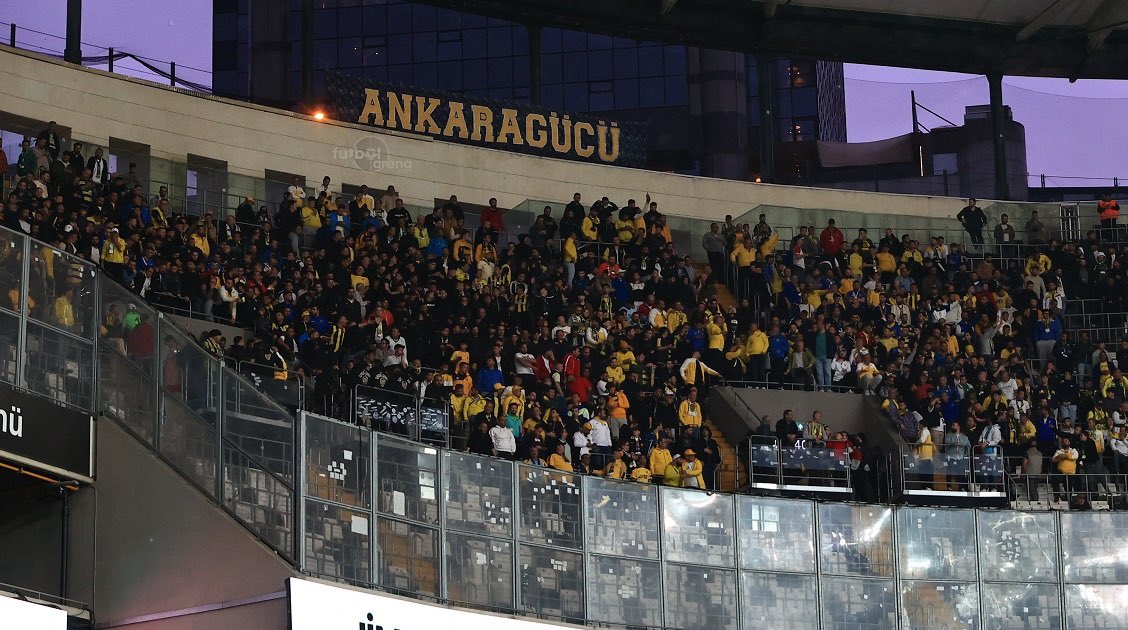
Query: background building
[700,105]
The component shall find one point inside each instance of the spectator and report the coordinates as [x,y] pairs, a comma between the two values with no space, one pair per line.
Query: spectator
[973,219]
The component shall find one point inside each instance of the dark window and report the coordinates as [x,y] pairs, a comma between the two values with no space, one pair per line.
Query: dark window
[650,61]
[224,56]
[601,102]
[501,73]
[675,60]
[399,18]
[425,75]
[349,52]
[599,42]
[626,63]
[550,69]
[805,101]
[449,77]
[350,22]
[423,46]
[626,93]
[676,92]
[783,103]
[574,41]
[474,43]
[651,92]
[450,52]
[324,24]
[600,67]
[575,67]
[422,17]
[399,49]
[325,54]
[500,42]
[447,19]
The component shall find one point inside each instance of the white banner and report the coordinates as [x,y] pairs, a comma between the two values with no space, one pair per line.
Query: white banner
[20,615]
[317,606]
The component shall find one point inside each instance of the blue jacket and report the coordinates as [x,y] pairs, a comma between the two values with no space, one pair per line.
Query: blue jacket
[487,378]
[1047,333]
[778,346]
[1046,429]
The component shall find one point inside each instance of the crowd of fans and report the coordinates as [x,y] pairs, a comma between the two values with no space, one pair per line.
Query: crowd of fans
[590,343]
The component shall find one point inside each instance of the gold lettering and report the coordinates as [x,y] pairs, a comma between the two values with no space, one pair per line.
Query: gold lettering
[536,132]
[483,121]
[399,111]
[561,133]
[371,108]
[424,113]
[510,132]
[456,121]
[605,154]
[583,149]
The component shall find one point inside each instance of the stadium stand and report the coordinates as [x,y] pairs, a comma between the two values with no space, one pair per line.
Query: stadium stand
[593,330]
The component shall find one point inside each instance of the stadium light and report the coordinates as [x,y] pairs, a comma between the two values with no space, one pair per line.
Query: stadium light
[319,115]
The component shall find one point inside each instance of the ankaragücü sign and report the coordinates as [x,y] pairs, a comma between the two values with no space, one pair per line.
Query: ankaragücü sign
[39,434]
[485,122]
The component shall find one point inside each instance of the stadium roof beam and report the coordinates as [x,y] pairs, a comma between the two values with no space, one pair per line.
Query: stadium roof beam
[665,6]
[1038,22]
[975,36]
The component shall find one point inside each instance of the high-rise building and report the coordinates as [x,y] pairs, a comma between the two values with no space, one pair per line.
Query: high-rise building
[701,105]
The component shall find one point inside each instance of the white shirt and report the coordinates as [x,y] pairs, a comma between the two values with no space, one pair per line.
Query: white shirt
[600,432]
[840,368]
[524,362]
[1019,407]
[992,436]
[503,440]
[1007,389]
[1120,446]
[582,442]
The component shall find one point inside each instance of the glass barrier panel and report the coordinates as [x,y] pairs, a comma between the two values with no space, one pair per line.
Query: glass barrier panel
[189,444]
[808,465]
[776,534]
[337,461]
[939,605]
[551,510]
[552,583]
[624,591]
[407,474]
[11,270]
[9,348]
[408,557]
[1095,606]
[701,597]
[478,494]
[187,371]
[622,518]
[128,325]
[59,366]
[1089,553]
[936,544]
[781,601]
[1021,606]
[1018,546]
[849,603]
[128,394]
[479,571]
[60,291]
[259,426]
[259,499]
[337,542]
[856,540]
[698,526]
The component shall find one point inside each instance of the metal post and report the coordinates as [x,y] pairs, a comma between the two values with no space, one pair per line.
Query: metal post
[298,508]
[73,51]
[661,560]
[946,183]
[534,63]
[12,35]
[25,283]
[1043,180]
[515,559]
[374,504]
[65,546]
[110,62]
[998,128]
[916,123]
[765,74]
[172,73]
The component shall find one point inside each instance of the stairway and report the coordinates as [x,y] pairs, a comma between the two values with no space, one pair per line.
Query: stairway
[728,477]
[724,297]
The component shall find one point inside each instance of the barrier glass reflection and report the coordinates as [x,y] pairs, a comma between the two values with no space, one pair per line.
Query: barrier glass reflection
[259,499]
[1090,554]
[550,507]
[407,473]
[337,461]
[776,534]
[622,518]
[856,540]
[408,557]
[1018,546]
[9,347]
[479,571]
[128,394]
[189,443]
[478,492]
[624,591]
[849,603]
[12,257]
[781,601]
[337,542]
[1020,606]
[927,605]
[61,291]
[552,583]
[59,366]
[936,544]
[700,598]
[698,527]
[1095,606]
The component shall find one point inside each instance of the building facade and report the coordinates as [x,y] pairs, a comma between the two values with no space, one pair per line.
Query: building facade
[701,106]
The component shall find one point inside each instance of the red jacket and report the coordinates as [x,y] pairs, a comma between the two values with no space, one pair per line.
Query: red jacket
[831,240]
[494,216]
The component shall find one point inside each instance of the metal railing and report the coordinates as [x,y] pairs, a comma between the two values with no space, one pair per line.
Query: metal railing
[941,468]
[290,391]
[419,418]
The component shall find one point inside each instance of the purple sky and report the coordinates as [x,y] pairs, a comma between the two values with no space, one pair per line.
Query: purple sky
[1072,130]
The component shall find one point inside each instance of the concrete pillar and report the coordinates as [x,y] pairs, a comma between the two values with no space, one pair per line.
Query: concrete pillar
[719,112]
